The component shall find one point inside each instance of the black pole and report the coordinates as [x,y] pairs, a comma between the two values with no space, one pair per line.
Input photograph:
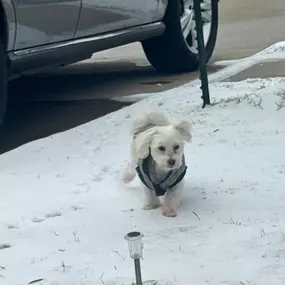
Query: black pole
[201,54]
[138,271]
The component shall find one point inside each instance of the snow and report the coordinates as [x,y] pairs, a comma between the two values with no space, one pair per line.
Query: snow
[64,211]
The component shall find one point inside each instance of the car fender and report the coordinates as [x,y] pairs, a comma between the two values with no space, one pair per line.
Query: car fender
[10,23]
[161,9]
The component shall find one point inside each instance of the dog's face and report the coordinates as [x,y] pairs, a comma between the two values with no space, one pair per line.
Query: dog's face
[167,148]
[166,144]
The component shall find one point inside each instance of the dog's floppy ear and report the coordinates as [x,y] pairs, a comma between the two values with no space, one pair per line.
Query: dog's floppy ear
[142,143]
[184,129]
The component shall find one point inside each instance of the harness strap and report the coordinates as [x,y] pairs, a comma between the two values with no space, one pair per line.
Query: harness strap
[172,178]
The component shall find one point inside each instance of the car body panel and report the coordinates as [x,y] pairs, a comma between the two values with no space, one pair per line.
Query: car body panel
[41,22]
[10,22]
[161,9]
[32,60]
[101,16]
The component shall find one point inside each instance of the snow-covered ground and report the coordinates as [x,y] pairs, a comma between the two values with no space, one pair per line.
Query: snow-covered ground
[64,211]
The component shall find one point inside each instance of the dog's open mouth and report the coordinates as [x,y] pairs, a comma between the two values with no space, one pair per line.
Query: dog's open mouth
[172,167]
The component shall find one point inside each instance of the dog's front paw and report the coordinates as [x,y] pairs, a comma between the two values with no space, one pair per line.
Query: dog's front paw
[167,212]
[150,206]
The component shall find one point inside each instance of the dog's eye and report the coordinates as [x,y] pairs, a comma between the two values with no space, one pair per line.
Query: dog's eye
[176,147]
[161,148]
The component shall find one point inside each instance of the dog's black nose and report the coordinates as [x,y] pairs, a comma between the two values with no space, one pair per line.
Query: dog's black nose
[171,162]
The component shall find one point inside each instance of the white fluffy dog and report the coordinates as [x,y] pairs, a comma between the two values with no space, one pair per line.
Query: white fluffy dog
[157,156]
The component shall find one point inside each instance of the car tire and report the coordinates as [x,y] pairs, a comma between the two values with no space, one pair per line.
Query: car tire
[171,52]
[3,83]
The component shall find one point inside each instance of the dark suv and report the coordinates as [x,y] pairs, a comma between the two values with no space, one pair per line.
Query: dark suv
[36,34]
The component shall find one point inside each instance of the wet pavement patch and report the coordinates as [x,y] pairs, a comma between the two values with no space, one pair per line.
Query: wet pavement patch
[50,103]
[261,70]
[26,122]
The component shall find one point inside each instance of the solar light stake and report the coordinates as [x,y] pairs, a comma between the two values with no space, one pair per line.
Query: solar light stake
[201,53]
[138,272]
[135,249]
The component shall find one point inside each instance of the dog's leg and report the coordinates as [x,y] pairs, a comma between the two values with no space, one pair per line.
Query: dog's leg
[151,201]
[172,200]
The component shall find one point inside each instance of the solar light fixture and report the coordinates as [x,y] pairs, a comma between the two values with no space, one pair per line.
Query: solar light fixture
[135,249]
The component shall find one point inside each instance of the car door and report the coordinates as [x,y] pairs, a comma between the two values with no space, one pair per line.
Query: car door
[100,16]
[41,22]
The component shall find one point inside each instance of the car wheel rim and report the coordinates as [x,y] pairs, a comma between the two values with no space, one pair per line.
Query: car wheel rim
[188,23]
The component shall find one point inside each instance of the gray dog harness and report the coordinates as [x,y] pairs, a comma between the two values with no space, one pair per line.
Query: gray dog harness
[172,178]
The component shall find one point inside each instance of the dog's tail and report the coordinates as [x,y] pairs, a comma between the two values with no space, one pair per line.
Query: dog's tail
[149,119]
[129,174]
